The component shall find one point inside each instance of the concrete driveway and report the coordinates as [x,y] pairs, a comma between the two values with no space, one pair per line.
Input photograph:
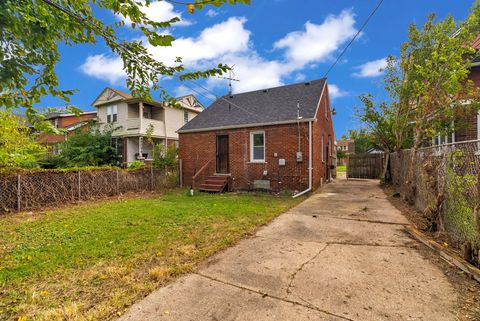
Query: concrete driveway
[340,255]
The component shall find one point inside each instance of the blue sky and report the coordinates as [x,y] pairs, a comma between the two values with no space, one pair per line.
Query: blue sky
[271,42]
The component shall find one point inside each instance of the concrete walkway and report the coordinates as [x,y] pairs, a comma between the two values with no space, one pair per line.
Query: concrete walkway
[340,255]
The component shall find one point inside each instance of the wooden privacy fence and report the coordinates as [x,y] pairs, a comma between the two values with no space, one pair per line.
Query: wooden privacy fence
[35,190]
[365,165]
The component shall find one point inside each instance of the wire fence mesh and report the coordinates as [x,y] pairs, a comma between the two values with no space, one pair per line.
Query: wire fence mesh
[446,188]
[35,190]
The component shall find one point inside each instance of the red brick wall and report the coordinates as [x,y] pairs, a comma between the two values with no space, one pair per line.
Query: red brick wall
[323,126]
[63,122]
[196,149]
[469,123]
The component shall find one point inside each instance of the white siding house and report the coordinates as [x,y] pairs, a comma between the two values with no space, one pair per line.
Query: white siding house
[132,117]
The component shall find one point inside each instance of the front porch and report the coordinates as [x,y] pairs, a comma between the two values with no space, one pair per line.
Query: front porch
[135,148]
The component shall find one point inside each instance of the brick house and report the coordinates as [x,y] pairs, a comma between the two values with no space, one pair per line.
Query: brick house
[67,121]
[276,139]
[348,147]
[467,126]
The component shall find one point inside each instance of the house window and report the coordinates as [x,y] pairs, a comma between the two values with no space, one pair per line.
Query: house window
[441,140]
[257,147]
[147,112]
[185,116]
[111,114]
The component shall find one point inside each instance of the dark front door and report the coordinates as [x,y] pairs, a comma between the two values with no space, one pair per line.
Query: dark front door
[222,154]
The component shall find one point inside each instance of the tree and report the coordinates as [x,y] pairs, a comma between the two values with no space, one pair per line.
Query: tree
[88,146]
[31,31]
[362,140]
[17,147]
[428,86]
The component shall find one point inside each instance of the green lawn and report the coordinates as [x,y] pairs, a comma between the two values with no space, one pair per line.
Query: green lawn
[341,168]
[92,261]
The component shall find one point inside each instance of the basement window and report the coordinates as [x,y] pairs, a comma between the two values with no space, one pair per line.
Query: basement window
[257,147]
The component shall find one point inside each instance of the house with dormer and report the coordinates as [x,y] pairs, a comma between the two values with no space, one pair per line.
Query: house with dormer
[134,117]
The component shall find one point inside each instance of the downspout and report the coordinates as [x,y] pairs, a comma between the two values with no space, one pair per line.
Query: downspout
[309,162]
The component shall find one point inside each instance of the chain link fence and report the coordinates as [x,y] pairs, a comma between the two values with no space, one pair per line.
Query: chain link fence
[35,190]
[446,188]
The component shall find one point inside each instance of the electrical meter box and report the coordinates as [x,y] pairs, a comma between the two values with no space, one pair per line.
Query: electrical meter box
[299,157]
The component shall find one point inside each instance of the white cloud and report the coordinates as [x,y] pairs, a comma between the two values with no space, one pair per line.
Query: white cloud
[317,42]
[211,13]
[253,71]
[371,69]
[335,92]
[229,42]
[224,38]
[160,11]
[105,67]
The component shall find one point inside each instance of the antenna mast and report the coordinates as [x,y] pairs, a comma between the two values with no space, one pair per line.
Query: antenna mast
[230,78]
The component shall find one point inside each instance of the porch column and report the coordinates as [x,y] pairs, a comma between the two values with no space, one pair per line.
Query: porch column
[140,117]
[140,143]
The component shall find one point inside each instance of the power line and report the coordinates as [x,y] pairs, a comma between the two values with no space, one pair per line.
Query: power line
[354,37]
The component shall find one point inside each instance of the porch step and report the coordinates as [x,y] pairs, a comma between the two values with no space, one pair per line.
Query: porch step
[214,184]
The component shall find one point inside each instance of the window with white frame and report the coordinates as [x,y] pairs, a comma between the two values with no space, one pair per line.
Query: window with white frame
[323,152]
[257,146]
[443,139]
[185,116]
[112,114]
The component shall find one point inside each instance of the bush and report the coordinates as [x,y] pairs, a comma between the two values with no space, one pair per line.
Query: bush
[164,156]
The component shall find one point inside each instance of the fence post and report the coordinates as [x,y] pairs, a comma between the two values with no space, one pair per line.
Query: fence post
[117,184]
[19,195]
[79,189]
[151,178]
[180,172]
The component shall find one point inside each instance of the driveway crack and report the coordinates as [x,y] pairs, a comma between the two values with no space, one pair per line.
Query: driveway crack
[294,274]
[264,294]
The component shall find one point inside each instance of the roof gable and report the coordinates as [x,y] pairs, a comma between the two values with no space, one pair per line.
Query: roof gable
[190,102]
[110,95]
[261,107]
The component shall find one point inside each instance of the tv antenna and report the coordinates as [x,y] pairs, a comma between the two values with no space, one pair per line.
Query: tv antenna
[230,78]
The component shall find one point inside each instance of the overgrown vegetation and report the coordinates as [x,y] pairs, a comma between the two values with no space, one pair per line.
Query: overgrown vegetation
[90,145]
[427,85]
[90,262]
[17,147]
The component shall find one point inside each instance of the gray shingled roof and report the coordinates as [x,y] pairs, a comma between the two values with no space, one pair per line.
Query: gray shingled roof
[264,106]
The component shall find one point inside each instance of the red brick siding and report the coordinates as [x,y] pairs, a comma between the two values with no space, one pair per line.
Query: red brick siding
[469,123]
[63,122]
[196,149]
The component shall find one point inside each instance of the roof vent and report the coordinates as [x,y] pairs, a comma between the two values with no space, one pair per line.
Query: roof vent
[307,83]
[265,90]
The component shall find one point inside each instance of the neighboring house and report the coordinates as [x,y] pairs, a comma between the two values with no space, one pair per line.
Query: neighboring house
[348,147]
[67,121]
[468,126]
[133,117]
[260,139]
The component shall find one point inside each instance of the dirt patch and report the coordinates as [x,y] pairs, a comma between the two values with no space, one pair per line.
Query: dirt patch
[468,303]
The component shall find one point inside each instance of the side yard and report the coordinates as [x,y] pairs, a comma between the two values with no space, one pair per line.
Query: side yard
[93,261]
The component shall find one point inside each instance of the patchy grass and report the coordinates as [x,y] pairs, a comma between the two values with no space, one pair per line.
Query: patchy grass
[93,261]
[341,168]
